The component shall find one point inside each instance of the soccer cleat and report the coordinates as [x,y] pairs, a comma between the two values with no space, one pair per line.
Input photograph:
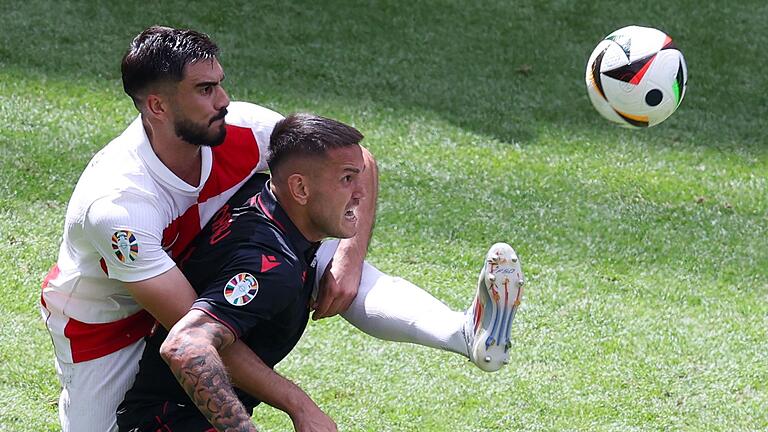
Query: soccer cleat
[489,318]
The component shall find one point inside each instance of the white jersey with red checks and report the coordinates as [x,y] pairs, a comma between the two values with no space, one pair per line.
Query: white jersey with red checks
[128,218]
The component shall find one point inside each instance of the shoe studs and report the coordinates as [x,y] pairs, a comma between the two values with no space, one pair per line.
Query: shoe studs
[487,359]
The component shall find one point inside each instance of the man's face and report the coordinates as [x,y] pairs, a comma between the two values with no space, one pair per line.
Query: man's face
[336,191]
[199,104]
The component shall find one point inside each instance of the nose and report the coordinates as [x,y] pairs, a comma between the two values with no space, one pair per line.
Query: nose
[359,192]
[222,98]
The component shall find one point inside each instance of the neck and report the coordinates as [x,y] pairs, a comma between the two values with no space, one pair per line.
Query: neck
[183,159]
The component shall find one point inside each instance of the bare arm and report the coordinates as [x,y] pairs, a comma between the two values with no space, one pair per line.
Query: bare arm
[339,284]
[192,352]
[168,298]
[275,390]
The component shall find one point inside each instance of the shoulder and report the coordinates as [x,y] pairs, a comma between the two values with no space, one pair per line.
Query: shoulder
[255,268]
[127,233]
[258,239]
[260,246]
[248,115]
[116,171]
[247,143]
[246,242]
[121,208]
[121,155]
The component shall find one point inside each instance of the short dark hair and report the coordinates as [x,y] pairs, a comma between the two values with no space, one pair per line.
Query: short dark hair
[304,134]
[159,54]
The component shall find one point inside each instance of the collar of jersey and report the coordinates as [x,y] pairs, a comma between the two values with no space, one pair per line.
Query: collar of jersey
[157,168]
[268,204]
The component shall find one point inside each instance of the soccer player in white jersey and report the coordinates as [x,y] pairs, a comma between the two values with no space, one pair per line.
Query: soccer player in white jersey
[145,196]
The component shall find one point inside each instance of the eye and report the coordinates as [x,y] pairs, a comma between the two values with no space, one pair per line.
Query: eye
[347,178]
[206,90]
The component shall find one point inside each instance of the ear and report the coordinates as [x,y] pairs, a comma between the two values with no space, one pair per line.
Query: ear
[156,106]
[298,186]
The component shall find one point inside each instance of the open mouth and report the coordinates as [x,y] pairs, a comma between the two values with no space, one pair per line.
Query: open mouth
[350,215]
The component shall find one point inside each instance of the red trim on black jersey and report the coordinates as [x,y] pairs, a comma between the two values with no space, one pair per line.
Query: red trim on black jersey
[220,224]
[213,315]
[268,262]
[269,215]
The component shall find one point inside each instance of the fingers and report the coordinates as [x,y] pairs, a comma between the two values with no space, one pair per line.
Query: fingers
[332,298]
[329,305]
[324,295]
[323,305]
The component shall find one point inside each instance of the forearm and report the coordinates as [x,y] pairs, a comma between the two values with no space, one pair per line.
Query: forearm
[167,297]
[351,252]
[249,373]
[191,351]
[246,369]
[204,378]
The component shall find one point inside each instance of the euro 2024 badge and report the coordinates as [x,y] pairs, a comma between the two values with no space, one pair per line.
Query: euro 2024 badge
[241,289]
[125,246]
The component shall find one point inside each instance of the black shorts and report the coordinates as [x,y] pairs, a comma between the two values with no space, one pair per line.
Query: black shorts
[165,417]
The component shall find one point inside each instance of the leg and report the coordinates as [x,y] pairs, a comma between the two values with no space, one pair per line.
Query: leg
[92,390]
[394,309]
[489,323]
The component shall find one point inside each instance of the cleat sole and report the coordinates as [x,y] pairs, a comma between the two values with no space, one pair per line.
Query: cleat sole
[503,281]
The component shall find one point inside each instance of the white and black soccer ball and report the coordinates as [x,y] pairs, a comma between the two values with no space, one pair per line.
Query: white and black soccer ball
[636,77]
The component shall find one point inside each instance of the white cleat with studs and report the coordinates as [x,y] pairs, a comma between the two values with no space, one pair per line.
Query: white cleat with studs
[489,318]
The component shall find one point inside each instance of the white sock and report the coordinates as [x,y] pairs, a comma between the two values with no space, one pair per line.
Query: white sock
[394,309]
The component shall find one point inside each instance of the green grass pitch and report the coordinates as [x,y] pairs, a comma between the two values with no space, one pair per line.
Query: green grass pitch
[646,252]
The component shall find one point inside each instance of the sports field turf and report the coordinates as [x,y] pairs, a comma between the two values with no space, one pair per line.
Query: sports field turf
[646,252]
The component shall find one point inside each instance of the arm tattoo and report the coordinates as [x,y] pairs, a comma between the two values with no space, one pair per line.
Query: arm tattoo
[192,352]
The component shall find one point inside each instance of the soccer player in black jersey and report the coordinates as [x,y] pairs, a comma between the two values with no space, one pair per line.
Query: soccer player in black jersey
[253,269]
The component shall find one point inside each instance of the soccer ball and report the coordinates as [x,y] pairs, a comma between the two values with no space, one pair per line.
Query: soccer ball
[636,77]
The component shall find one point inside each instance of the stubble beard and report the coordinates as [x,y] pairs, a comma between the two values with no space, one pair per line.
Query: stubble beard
[199,135]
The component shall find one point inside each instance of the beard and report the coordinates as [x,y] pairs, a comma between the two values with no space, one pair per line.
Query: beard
[201,135]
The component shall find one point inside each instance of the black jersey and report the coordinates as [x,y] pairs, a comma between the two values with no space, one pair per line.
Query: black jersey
[253,272]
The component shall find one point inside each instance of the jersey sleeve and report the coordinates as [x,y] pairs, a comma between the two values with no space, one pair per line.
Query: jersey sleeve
[252,288]
[260,120]
[124,231]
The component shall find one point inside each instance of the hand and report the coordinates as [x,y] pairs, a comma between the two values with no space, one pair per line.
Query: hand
[338,287]
[313,420]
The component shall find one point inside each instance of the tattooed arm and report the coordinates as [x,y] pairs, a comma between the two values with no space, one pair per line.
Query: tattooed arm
[192,352]
[247,370]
